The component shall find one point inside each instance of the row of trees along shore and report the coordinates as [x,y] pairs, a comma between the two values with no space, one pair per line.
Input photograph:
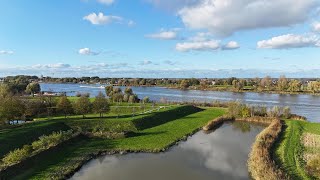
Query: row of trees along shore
[14,106]
[281,84]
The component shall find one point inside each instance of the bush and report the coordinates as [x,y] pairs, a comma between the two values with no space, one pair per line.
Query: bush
[44,142]
[286,112]
[146,99]
[17,155]
[54,139]
[313,167]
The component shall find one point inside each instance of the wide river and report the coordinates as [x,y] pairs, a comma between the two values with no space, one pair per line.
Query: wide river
[222,154]
[305,105]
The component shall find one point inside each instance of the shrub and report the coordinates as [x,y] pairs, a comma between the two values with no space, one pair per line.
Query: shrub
[17,155]
[286,112]
[313,167]
[146,99]
[54,139]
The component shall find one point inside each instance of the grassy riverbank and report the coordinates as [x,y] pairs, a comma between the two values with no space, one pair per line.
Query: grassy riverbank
[154,132]
[290,150]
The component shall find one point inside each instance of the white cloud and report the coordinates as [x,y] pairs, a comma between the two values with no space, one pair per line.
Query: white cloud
[225,17]
[6,52]
[170,62]
[198,46]
[106,2]
[290,41]
[131,23]
[101,19]
[87,51]
[231,45]
[145,62]
[164,35]
[51,66]
[316,27]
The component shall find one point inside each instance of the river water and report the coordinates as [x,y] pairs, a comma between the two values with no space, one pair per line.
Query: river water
[222,154]
[305,105]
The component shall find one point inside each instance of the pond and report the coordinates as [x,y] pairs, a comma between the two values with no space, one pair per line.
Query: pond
[305,105]
[221,154]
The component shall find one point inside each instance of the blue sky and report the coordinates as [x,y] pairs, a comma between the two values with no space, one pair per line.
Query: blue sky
[160,38]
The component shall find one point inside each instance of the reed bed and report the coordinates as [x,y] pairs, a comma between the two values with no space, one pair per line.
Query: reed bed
[216,122]
[260,163]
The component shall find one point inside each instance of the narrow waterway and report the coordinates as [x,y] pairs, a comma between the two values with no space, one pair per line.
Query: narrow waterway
[222,154]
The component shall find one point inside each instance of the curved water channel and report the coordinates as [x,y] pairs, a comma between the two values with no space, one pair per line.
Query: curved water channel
[221,154]
[305,105]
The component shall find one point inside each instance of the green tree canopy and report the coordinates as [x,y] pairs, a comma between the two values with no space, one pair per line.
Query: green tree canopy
[101,105]
[11,107]
[64,106]
[82,106]
[33,88]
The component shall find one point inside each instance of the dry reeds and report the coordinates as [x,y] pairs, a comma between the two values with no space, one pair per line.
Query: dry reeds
[260,163]
[216,122]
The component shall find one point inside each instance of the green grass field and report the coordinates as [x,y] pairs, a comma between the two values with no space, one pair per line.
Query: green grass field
[152,133]
[289,150]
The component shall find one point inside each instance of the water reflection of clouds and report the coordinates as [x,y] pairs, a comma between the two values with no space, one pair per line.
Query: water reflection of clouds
[225,151]
[219,155]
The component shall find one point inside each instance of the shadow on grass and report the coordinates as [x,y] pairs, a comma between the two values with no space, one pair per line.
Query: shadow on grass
[137,134]
[159,118]
[41,161]
[11,139]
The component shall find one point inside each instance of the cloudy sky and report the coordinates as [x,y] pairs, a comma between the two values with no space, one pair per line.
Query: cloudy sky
[160,38]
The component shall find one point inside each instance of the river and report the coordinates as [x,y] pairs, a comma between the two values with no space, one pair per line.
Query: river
[222,154]
[305,105]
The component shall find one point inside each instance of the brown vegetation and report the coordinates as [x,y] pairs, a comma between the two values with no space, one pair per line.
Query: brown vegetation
[260,163]
[216,122]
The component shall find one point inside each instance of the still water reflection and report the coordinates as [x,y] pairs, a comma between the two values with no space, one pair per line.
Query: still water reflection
[222,154]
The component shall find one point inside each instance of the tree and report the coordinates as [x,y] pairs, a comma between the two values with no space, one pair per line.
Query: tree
[82,106]
[282,83]
[109,90]
[101,105]
[184,84]
[237,85]
[146,99]
[11,107]
[266,83]
[133,98]
[314,86]
[128,91]
[4,90]
[203,84]
[294,86]
[64,105]
[33,88]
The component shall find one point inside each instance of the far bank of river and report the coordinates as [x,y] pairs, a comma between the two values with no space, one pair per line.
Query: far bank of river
[302,104]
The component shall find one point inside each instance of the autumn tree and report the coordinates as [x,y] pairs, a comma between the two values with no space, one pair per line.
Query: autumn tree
[184,84]
[282,83]
[266,83]
[314,86]
[294,86]
[237,85]
[101,105]
[64,106]
[82,106]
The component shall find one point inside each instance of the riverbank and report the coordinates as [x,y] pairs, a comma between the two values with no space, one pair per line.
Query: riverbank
[64,160]
[226,89]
